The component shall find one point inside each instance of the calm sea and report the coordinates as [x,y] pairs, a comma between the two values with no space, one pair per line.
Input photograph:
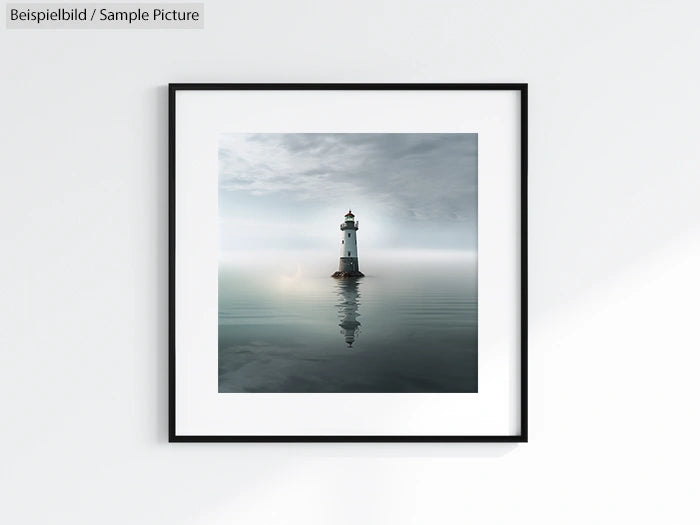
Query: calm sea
[413,330]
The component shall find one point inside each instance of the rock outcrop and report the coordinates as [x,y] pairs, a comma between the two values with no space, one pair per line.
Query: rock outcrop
[347,275]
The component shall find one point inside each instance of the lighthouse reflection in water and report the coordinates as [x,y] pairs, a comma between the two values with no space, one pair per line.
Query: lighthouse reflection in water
[348,306]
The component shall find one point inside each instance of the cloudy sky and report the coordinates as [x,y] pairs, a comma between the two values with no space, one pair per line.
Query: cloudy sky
[290,191]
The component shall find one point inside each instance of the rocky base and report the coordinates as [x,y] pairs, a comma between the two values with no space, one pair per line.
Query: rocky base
[347,275]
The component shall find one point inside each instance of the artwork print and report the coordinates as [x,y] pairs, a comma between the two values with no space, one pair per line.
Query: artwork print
[347,262]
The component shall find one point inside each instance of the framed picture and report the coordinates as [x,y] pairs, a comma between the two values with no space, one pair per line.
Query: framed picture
[348,262]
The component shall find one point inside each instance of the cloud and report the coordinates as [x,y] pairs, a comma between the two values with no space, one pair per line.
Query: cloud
[412,177]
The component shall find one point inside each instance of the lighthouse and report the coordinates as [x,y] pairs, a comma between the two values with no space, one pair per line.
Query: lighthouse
[349,265]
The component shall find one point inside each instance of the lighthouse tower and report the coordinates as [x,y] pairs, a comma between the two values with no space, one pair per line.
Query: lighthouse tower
[349,265]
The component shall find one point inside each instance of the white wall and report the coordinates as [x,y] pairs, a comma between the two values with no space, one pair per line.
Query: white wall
[615,257]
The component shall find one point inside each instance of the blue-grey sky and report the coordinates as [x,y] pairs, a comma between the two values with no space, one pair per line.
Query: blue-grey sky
[290,191]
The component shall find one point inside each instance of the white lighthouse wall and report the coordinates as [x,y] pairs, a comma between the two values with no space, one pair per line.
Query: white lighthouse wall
[348,244]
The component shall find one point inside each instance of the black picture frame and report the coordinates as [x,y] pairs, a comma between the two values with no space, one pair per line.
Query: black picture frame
[522,88]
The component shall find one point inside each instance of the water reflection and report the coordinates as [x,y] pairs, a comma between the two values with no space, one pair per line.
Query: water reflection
[348,291]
